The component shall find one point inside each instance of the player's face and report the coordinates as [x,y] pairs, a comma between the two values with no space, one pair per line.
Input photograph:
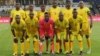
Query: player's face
[81,5]
[31,15]
[43,8]
[68,5]
[54,5]
[17,6]
[74,13]
[46,17]
[61,17]
[17,19]
[31,7]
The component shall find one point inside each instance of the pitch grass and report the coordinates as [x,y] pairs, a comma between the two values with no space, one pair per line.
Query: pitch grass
[6,42]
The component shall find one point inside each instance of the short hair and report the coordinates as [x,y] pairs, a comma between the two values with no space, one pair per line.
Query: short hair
[74,9]
[46,13]
[81,2]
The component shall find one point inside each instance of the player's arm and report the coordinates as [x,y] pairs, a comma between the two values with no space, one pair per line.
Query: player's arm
[13,32]
[24,32]
[80,31]
[67,28]
[91,20]
[23,14]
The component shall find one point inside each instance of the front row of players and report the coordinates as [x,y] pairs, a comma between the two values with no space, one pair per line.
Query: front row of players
[46,29]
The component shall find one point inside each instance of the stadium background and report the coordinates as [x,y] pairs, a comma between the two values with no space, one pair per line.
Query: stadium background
[5,33]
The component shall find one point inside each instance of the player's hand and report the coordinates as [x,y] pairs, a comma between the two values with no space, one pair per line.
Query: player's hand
[91,25]
[80,32]
[14,37]
[70,32]
[42,39]
[51,39]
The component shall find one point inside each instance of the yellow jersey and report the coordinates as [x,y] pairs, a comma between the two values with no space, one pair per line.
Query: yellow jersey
[27,13]
[67,12]
[18,28]
[75,23]
[84,13]
[54,12]
[31,25]
[61,25]
[15,12]
[40,15]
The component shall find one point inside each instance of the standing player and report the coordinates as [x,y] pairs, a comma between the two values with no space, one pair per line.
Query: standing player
[61,28]
[54,11]
[30,9]
[75,27]
[67,11]
[41,12]
[46,31]
[17,11]
[84,12]
[32,31]
[18,30]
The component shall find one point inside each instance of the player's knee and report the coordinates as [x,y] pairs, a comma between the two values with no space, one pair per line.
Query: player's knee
[57,40]
[87,36]
[15,40]
[36,36]
[22,40]
[66,40]
[41,39]
[26,37]
[46,37]
[71,40]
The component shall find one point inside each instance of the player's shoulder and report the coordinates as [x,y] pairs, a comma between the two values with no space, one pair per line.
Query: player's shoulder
[22,21]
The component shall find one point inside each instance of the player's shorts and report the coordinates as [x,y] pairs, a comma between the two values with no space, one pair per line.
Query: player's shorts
[75,35]
[34,35]
[86,28]
[61,35]
[49,33]
[18,34]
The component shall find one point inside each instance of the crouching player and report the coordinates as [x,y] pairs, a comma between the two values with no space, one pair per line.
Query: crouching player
[75,25]
[32,31]
[18,29]
[61,28]
[46,31]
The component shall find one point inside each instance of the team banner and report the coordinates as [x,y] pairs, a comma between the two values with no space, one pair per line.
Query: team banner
[7,19]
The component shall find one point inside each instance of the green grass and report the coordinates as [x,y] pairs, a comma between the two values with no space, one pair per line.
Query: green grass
[6,42]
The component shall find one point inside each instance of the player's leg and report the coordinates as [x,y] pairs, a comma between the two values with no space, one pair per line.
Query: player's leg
[58,43]
[79,37]
[41,37]
[52,46]
[35,44]
[27,44]
[88,44]
[86,32]
[66,43]
[47,43]
[22,46]
[51,35]
[15,46]
[71,38]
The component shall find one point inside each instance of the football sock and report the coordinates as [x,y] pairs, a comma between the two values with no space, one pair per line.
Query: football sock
[27,45]
[89,43]
[15,46]
[36,46]
[81,45]
[67,47]
[57,47]
[22,48]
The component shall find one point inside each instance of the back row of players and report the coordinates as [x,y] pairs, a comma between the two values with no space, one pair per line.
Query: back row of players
[64,23]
